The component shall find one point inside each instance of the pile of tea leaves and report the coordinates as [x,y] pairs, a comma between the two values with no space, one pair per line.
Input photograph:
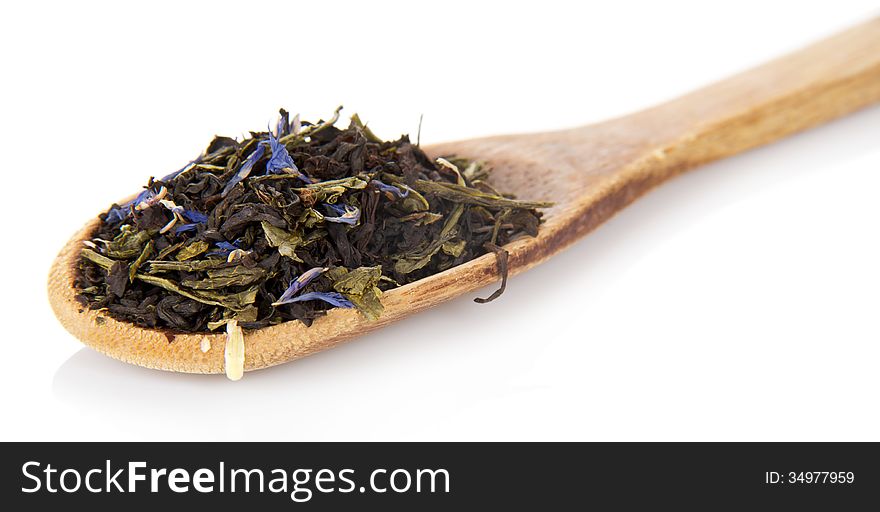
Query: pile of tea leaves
[289,223]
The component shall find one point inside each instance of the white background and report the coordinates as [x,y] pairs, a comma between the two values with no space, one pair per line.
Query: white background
[738,302]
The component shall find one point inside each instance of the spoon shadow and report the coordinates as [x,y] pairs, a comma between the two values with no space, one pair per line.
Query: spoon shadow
[438,365]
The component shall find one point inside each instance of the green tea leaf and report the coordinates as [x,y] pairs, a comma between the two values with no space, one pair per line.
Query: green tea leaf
[128,244]
[186,266]
[454,247]
[360,287]
[329,191]
[170,249]
[221,278]
[98,259]
[234,301]
[145,254]
[466,195]
[421,218]
[413,202]
[192,250]
[285,241]
[368,133]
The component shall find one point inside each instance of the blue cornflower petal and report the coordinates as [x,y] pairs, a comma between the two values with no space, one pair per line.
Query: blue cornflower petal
[143,196]
[345,215]
[121,212]
[384,187]
[195,216]
[335,208]
[224,248]
[281,159]
[187,227]
[333,298]
[245,168]
[299,283]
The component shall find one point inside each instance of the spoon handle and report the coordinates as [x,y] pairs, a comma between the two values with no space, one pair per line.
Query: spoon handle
[819,83]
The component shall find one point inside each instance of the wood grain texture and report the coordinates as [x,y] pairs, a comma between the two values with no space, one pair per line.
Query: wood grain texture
[591,172]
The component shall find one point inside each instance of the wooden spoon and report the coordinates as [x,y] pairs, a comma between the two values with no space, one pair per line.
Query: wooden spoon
[590,172]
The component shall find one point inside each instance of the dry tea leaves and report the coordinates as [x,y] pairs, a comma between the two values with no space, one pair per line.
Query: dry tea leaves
[288,223]
[284,241]
[361,287]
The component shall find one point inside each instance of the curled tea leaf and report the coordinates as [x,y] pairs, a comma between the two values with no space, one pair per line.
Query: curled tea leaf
[501,256]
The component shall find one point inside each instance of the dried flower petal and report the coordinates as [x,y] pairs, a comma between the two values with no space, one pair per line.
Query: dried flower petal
[299,283]
[171,205]
[142,201]
[177,212]
[384,187]
[345,215]
[332,298]
[236,254]
[245,169]
[224,248]
[186,227]
[281,162]
[148,198]
[195,216]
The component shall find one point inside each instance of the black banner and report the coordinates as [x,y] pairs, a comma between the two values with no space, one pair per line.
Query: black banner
[418,476]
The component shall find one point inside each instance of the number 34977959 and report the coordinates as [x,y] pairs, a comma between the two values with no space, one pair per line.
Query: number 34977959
[809,477]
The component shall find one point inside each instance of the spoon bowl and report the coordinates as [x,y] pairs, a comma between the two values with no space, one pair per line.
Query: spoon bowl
[590,173]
